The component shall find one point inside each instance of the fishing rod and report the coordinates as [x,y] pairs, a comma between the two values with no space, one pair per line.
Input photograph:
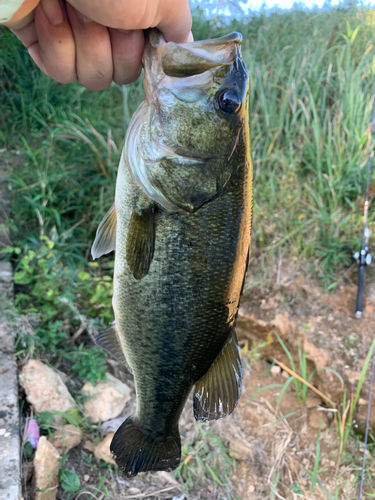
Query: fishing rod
[367,427]
[363,257]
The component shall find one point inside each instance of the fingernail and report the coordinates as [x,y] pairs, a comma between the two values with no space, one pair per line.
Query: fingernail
[82,17]
[53,12]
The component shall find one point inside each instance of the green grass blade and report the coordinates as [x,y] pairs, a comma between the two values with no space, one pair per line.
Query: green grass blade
[316,465]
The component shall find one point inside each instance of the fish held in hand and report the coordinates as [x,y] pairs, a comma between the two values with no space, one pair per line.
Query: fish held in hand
[180,225]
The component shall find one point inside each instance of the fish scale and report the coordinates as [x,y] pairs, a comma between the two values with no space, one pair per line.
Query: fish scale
[182,241]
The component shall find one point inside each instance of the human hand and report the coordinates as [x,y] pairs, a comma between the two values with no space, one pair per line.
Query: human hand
[85,40]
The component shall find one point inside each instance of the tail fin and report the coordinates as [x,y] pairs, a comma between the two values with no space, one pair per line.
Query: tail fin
[135,450]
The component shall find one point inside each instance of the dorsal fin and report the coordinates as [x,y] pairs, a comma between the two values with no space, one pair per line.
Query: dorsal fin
[109,341]
[217,393]
[105,240]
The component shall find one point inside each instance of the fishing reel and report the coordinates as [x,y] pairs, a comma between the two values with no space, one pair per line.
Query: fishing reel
[363,257]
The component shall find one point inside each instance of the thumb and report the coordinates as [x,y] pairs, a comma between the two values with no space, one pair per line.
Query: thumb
[23,16]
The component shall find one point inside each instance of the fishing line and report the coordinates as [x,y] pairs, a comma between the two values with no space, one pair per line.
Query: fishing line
[367,426]
[363,261]
[363,257]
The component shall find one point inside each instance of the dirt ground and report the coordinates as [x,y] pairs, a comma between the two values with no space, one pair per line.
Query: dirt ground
[276,445]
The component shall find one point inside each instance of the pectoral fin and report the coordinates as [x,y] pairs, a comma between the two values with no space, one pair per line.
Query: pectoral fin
[141,242]
[105,240]
[217,393]
[109,341]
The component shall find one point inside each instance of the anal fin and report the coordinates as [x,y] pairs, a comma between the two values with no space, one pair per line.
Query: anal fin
[140,243]
[109,341]
[105,240]
[217,393]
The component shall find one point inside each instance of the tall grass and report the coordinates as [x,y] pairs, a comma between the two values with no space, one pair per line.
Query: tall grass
[311,87]
[310,92]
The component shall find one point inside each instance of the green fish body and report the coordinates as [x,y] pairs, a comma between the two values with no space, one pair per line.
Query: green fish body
[180,225]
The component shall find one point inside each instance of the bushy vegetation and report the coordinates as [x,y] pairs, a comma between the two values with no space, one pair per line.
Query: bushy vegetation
[311,82]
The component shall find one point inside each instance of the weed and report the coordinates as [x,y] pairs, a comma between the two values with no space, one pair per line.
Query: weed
[69,480]
[301,388]
[345,419]
[59,294]
[205,457]
[314,475]
[89,364]
[255,352]
[274,485]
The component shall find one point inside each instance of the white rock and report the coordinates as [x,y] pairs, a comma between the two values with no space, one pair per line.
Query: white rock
[44,388]
[67,437]
[133,491]
[46,470]
[112,425]
[276,370]
[105,401]
[102,450]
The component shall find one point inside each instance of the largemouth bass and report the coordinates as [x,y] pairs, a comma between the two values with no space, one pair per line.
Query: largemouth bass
[180,225]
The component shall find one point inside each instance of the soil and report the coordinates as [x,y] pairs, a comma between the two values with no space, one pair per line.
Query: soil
[275,439]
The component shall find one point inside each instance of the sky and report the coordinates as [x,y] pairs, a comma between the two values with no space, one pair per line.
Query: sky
[227,6]
[284,4]
[288,4]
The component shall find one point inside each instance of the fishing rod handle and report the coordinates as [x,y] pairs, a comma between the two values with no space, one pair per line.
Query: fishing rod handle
[361,281]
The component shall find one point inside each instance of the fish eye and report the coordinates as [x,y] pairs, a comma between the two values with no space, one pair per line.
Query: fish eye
[229,101]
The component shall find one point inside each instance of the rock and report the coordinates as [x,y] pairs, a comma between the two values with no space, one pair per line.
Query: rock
[46,470]
[105,401]
[88,446]
[86,478]
[239,449]
[44,388]
[276,370]
[67,437]
[251,488]
[102,450]
[112,425]
[133,491]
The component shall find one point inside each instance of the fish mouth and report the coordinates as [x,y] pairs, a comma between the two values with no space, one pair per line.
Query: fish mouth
[194,58]
[168,59]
